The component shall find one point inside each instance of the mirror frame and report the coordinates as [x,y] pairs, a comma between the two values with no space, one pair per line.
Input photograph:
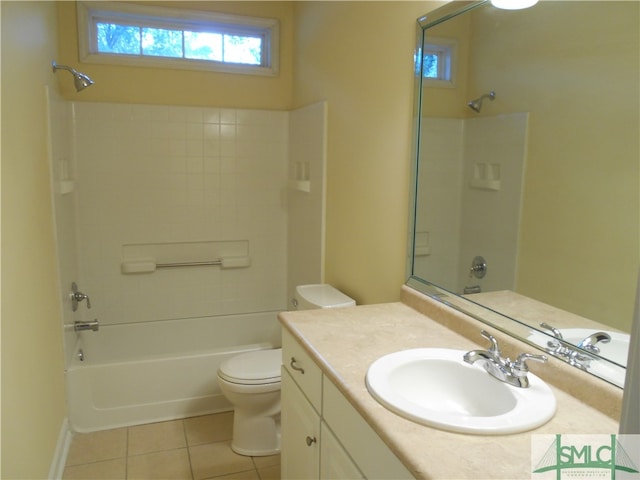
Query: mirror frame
[494,319]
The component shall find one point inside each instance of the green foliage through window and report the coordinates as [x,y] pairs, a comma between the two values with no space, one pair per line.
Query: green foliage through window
[135,34]
[430,66]
[438,62]
[161,42]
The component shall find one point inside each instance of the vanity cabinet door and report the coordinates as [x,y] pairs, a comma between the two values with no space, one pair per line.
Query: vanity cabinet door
[300,423]
[335,463]
[365,447]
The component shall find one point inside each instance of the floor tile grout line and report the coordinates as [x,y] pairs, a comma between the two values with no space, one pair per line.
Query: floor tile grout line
[126,451]
[128,454]
[186,442]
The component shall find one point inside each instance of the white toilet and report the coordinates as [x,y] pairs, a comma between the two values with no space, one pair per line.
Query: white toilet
[251,382]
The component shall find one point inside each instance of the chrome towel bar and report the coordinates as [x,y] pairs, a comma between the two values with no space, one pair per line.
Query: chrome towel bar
[188,264]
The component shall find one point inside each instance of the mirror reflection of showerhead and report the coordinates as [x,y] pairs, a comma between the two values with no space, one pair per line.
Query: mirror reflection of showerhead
[80,80]
[476,104]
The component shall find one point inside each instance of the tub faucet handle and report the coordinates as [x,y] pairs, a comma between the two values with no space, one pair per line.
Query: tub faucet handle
[78,296]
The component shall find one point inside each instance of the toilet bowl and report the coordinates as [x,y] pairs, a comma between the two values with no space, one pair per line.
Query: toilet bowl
[251,382]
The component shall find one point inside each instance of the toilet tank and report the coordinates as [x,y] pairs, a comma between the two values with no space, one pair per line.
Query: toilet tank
[309,297]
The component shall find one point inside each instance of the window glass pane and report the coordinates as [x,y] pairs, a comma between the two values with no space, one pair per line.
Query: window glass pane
[190,40]
[203,45]
[240,49]
[430,65]
[114,38]
[162,42]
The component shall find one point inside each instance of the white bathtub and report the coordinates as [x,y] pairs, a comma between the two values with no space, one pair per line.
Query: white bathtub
[153,371]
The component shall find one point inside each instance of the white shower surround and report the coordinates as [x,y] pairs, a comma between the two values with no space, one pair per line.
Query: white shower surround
[467,221]
[147,174]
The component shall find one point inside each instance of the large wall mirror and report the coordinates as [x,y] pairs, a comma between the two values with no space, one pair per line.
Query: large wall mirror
[527,172]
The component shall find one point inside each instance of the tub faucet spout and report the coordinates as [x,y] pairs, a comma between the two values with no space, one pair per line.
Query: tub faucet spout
[82,326]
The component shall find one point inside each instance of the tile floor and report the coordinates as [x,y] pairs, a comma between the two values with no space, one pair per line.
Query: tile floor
[195,448]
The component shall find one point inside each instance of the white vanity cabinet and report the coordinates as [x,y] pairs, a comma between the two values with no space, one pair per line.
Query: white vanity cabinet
[323,436]
[300,432]
[335,462]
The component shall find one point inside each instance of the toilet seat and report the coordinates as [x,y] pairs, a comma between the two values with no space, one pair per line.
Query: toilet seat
[254,368]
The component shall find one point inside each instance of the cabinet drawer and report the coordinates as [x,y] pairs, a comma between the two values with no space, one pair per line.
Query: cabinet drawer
[303,370]
[368,451]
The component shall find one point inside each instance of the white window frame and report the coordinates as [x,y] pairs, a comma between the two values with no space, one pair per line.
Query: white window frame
[447,50]
[90,11]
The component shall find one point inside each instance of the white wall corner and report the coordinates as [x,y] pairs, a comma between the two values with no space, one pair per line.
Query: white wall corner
[62,450]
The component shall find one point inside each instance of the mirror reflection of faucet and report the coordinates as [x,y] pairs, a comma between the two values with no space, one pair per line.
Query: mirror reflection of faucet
[78,326]
[478,267]
[472,289]
[478,270]
[589,343]
[573,355]
[77,296]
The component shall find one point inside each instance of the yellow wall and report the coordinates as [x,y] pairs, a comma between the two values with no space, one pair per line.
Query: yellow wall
[451,101]
[33,401]
[359,57]
[161,86]
[580,231]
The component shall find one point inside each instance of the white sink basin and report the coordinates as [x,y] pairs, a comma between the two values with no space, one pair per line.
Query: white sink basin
[435,387]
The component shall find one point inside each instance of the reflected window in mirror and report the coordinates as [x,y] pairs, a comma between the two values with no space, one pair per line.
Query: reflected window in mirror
[439,62]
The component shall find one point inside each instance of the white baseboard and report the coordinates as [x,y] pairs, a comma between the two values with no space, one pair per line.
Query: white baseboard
[62,450]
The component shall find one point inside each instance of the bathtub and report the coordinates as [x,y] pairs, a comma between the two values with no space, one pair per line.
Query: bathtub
[146,372]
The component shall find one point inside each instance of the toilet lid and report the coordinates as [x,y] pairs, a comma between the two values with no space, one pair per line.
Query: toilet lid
[261,366]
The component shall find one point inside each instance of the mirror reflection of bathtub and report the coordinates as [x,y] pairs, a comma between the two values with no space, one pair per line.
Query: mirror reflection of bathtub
[152,371]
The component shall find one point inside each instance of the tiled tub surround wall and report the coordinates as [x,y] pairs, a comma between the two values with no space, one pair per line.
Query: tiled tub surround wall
[62,187]
[163,175]
[471,166]
[176,177]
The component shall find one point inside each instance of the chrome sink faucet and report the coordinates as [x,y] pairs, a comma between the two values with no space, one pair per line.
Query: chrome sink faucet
[589,343]
[574,356]
[511,372]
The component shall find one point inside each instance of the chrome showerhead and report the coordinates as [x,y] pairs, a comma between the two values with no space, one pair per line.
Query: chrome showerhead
[477,103]
[80,80]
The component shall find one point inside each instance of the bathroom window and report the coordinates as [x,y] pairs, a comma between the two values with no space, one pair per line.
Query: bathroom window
[438,62]
[140,35]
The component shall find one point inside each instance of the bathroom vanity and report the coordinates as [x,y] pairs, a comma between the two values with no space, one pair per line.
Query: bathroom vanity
[333,428]
[323,436]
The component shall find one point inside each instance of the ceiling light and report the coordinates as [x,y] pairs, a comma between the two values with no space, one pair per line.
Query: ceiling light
[513,4]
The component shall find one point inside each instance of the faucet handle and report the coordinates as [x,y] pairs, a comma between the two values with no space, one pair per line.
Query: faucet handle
[520,367]
[494,348]
[77,296]
[554,330]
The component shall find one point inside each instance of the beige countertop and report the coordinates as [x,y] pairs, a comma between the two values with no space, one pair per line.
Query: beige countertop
[533,312]
[344,342]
